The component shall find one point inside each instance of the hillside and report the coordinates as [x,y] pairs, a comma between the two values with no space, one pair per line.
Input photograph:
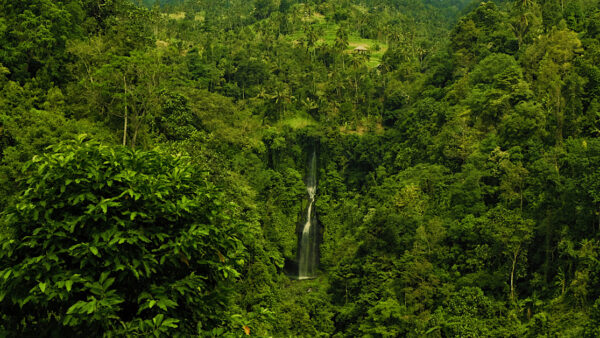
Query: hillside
[284,168]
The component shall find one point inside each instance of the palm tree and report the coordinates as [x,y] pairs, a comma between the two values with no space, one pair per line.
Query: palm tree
[281,98]
[341,43]
[341,39]
[312,36]
[357,62]
[525,14]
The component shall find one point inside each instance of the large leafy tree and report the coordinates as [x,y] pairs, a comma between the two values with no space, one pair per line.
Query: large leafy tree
[112,241]
[33,35]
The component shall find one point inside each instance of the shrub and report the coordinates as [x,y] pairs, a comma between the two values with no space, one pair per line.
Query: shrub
[111,241]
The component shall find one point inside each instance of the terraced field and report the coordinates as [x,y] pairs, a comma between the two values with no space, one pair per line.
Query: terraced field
[376,48]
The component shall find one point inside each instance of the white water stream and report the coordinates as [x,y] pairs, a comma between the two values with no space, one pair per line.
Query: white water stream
[307,257]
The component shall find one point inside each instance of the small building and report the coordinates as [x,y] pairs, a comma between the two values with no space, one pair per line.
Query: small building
[361,50]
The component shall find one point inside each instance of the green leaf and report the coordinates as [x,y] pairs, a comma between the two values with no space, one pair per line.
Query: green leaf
[158,319]
[94,250]
[432,329]
[42,287]
[108,282]
[74,307]
[6,274]
[170,322]
[90,307]
[103,276]
[68,285]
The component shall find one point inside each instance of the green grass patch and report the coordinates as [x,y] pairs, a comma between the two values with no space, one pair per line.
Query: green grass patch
[175,16]
[297,121]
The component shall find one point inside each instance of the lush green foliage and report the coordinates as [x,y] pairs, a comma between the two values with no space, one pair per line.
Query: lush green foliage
[116,242]
[458,162]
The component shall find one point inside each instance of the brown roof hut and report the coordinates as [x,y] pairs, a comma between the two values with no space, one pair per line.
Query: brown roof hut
[361,50]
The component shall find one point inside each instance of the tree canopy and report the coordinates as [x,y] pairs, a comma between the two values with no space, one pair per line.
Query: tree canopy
[153,157]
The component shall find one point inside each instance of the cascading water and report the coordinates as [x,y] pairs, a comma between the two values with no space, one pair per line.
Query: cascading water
[308,245]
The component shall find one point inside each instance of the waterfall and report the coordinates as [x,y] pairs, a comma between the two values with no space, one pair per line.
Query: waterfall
[308,245]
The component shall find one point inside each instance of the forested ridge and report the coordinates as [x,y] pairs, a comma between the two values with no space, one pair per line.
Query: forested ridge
[154,155]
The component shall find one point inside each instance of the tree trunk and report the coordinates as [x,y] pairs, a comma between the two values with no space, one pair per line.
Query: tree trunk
[512,274]
[356,90]
[136,124]
[521,195]
[134,138]
[125,116]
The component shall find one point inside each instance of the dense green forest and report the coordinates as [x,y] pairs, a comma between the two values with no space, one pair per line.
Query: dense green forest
[154,155]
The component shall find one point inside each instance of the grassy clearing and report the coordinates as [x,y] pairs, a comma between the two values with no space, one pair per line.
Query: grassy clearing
[362,126]
[297,121]
[176,16]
